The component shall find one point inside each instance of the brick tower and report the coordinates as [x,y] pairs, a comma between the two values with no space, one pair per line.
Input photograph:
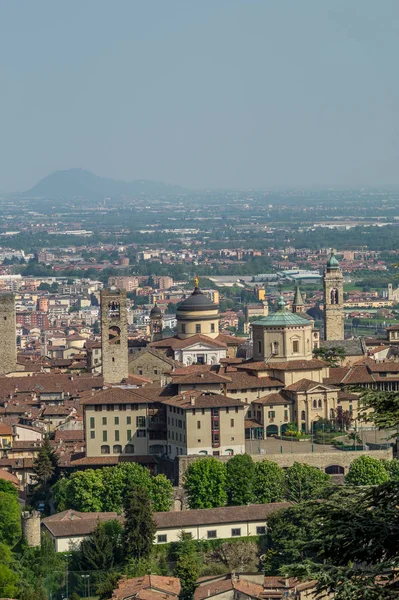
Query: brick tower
[333,301]
[114,344]
[8,337]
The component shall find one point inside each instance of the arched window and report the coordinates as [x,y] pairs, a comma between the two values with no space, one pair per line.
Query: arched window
[275,347]
[332,414]
[303,416]
[129,449]
[104,449]
[320,403]
[114,334]
[114,310]
[314,403]
[117,449]
[334,296]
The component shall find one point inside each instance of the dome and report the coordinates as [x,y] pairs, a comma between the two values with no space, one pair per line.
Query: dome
[332,262]
[281,303]
[197,302]
[155,312]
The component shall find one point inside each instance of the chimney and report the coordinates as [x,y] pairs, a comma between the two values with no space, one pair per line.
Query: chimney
[201,375]
[192,400]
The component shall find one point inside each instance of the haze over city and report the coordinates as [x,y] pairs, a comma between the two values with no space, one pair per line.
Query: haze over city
[227,94]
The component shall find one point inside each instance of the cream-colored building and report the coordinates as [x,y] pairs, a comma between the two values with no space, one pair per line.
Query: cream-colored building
[197,315]
[205,423]
[67,529]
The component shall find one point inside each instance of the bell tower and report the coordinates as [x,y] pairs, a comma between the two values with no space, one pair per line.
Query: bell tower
[298,305]
[333,300]
[114,344]
[156,324]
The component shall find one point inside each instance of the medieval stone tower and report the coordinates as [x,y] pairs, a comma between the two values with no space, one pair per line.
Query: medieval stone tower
[31,528]
[8,337]
[114,343]
[156,324]
[298,305]
[333,301]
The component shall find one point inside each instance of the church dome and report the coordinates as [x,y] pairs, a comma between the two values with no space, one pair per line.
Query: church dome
[197,302]
[332,262]
[155,312]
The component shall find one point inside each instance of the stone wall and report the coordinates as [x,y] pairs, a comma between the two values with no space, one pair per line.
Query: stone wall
[321,460]
[31,528]
[8,336]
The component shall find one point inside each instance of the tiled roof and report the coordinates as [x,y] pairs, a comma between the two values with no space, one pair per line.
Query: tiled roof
[201,378]
[245,381]
[336,375]
[199,399]
[176,344]
[355,347]
[277,398]
[304,385]
[115,395]
[5,429]
[229,340]
[147,587]
[69,435]
[298,365]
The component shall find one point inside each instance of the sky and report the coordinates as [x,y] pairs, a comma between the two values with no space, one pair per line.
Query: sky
[201,93]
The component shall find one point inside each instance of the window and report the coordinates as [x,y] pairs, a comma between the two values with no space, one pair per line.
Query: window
[183,328]
[128,420]
[104,420]
[216,425]
[320,404]
[162,539]
[92,435]
[141,433]
[314,404]
[332,413]
[227,410]
[104,449]
[198,328]
[193,411]
[286,415]
[261,530]
[117,449]
[91,422]
[211,535]
[212,327]
[116,435]
[105,436]
[155,371]
[128,434]
[203,411]
[236,409]
[98,408]
[140,421]
[129,449]
[116,420]
[231,422]
[271,414]
[236,532]
[260,347]
[295,346]
[275,347]
[303,416]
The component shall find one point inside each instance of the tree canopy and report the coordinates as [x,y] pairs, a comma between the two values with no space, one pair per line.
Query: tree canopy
[240,474]
[205,483]
[367,470]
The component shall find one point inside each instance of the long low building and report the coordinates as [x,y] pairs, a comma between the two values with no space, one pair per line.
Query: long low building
[68,528]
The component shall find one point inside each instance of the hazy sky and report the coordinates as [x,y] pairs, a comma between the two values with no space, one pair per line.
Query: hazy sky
[218,93]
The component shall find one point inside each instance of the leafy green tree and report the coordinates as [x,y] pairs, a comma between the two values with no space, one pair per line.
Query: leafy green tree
[85,491]
[8,488]
[140,527]
[305,482]
[102,550]
[187,567]
[61,494]
[268,483]
[392,468]
[205,483]
[381,408]
[334,356]
[161,493]
[366,470]
[8,582]
[10,519]
[46,463]
[240,474]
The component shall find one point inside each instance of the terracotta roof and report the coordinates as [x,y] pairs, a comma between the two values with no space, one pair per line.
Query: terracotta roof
[199,399]
[229,340]
[273,399]
[336,375]
[9,477]
[5,429]
[114,395]
[298,365]
[45,383]
[73,523]
[383,367]
[243,381]
[304,385]
[69,435]
[201,378]
[175,343]
[147,587]
[81,460]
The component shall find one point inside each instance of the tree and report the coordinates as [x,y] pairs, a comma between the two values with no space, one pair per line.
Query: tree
[237,555]
[8,488]
[380,408]
[161,493]
[61,494]
[10,519]
[46,462]
[205,483]
[343,419]
[269,482]
[366,470]
[305,482]
[102,550]
[140,527]
[334,356]
[187,567]
[240,474]
[392,468]
[85,491]
[8,582]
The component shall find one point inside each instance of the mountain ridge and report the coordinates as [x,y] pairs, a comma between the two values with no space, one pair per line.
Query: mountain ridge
[81,184]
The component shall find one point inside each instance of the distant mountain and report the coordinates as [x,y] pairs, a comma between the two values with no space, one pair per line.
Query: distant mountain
[80,184]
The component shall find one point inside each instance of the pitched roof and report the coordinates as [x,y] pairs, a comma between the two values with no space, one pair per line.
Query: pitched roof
[115,395]
[176,344]
[5,429]
[147,587]
[305,385]
[283,318]
[199,399]
[355,347]
[242,381]
[200,378]
[276,398]
[298,365]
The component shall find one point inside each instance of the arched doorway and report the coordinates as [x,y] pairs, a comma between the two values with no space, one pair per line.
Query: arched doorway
[284,428]
[335,470]
[271,430]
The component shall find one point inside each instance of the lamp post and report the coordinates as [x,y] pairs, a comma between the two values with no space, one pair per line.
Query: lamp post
[85,583]
[67,556]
